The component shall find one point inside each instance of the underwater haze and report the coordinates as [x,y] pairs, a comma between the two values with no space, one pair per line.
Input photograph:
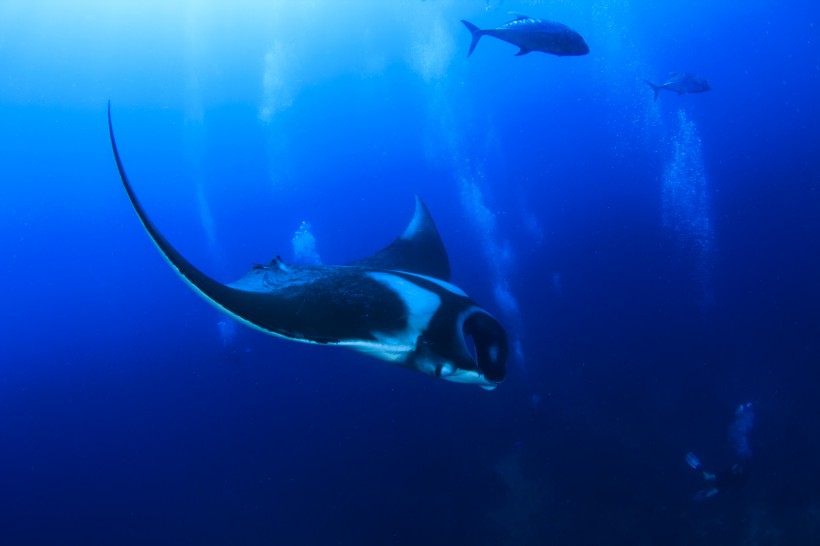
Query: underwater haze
[654,262]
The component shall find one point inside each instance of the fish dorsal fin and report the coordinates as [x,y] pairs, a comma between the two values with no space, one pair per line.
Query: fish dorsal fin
[518,16]
[417,250]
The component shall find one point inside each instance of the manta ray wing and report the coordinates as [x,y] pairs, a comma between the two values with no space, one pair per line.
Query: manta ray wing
[417,250]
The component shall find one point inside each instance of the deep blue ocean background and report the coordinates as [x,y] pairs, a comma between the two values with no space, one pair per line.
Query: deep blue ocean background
[655,263]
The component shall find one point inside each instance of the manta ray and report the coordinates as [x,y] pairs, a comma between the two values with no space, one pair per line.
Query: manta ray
[396,305]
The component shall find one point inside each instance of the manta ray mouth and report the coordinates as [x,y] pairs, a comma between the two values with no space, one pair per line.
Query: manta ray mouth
[489,342]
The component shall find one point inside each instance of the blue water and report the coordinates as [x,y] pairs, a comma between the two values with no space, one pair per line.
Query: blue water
[655,264]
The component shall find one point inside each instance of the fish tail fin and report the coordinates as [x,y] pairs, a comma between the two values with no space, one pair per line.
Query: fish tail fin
[654,87]
[476,32]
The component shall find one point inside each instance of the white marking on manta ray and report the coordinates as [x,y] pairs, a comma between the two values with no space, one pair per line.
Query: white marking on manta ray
[444,284]
[421,306]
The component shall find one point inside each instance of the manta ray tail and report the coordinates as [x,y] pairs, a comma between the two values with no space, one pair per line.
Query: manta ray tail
[476,32]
